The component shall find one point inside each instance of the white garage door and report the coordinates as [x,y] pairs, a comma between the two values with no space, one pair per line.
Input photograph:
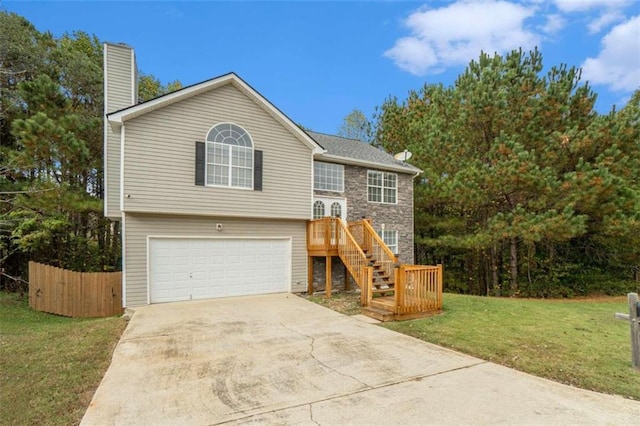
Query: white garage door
[197,268]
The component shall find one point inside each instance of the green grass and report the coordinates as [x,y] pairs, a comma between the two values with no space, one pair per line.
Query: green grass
[50,366]
[577,342]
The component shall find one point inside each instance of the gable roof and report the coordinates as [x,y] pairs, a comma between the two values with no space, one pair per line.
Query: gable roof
[117,118]
[353,151]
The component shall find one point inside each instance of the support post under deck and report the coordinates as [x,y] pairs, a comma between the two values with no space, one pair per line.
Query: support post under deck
[310,276]
[328,278]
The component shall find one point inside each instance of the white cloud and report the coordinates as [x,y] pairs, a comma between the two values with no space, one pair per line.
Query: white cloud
[554,24]
[584,5]
[605,20]
[618,63]
[412,55]
[455,34]
[610,11]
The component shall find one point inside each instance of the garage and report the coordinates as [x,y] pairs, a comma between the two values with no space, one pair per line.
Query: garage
[204,268]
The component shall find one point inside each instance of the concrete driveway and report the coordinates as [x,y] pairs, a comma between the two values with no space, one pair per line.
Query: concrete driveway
[279,359]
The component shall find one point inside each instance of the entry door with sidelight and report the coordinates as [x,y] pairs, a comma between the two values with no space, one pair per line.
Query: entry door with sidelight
[324,206]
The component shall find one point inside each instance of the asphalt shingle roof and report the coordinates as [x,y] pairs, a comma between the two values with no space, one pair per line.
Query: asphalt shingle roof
[353,149]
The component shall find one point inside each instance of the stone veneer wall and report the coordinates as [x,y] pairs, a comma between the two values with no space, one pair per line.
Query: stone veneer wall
[337,274]
[396,217]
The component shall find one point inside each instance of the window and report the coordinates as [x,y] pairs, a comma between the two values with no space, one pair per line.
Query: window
[318,210]
[382,187]
[336,209]
[390,238]
[328,176]
[229,156]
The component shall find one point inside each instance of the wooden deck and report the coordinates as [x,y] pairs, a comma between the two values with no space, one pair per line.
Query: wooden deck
[389,290]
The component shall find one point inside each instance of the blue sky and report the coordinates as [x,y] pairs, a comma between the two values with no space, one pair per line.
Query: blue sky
[317,61]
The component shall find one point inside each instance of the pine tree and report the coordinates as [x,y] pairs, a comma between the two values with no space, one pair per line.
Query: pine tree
[517,167]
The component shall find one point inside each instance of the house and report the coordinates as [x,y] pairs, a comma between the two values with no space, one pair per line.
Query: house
[214,188]
[355,180]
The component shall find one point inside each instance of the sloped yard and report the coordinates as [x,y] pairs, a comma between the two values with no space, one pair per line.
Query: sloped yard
[576,341]
[50,366]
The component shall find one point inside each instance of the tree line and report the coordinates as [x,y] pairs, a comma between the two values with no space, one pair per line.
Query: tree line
[526,189]
[51,150]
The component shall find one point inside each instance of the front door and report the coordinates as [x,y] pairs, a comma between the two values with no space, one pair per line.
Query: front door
[327,206]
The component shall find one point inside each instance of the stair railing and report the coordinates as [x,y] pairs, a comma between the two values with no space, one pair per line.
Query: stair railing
[354,259]
[380,252]
[356,229]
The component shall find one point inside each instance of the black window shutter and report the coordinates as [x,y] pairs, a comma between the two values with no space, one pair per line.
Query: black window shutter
[257,170]
[200,163]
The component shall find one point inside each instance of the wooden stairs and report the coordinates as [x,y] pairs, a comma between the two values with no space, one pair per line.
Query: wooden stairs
[389,290]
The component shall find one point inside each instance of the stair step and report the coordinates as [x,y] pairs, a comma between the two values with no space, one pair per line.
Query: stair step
[381,277]
[386,303]
[382,290]
[379,314]
[383,284]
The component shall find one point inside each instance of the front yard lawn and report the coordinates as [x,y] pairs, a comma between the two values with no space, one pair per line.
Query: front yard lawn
[576,341]
[50,366]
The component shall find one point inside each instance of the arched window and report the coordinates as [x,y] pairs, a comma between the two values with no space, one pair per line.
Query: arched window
[318,210]
[336,209]
[229,156]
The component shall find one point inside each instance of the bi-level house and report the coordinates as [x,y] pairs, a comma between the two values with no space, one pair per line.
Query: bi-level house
[216,191]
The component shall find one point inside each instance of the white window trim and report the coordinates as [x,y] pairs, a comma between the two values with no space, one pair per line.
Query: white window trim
[331,209]
[341,166]
[328,200]
[324,207]
[381,234]
[382,188]
[231,167]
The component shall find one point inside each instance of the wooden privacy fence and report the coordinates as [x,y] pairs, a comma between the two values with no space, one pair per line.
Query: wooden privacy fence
[74,294]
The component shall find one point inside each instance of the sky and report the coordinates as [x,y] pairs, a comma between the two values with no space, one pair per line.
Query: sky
[317,61]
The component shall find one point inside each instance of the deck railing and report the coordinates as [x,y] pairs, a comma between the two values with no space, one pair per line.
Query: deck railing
[418,289]
[331,234]
[322,235]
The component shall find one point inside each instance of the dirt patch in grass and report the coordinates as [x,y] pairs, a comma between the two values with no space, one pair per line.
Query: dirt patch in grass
[347,303]
[50,366]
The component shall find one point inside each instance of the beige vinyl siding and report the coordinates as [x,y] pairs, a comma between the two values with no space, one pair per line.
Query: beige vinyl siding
[160,161]
[139,226]
[118,95]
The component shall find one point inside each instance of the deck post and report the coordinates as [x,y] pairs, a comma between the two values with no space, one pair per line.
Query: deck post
[328,278]
[363,290]
[399,289]
[346,278]
[310,276]
[327,234]
[369,284]
[440,285]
